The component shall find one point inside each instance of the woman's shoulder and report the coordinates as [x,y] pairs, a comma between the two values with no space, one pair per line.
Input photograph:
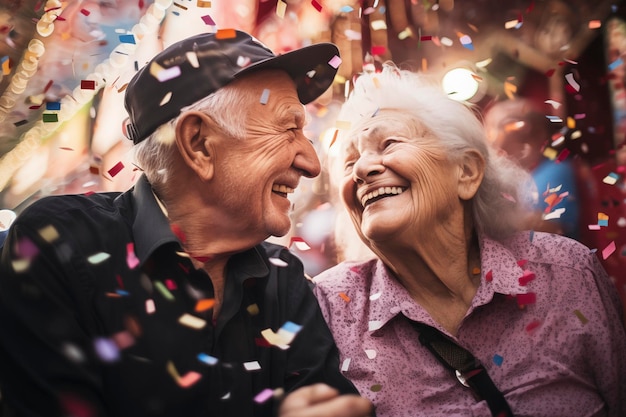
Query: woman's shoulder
[549,248]
[348,274]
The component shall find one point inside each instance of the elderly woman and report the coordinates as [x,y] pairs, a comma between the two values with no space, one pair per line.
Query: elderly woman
[440,210]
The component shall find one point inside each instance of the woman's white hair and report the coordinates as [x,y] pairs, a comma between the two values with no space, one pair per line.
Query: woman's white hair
[506,190]
[154,155]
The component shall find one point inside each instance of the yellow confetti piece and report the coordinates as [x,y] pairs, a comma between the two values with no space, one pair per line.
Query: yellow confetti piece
[281,8]
[571,123]
[98,258]
[203,3]
[476,270]
[550,153]
[581,317]
[49,233]
[192,321]
[253,309]
[20,265]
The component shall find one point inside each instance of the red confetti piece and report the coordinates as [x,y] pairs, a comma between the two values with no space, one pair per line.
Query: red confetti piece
[207,20]
[532,325]
[317,6]
[522,262]
[378,50]
[261,342]
[183,267]
[47,87]
[525,299]
[119,281]
[426,38]
[85,12]
[171,284]
[116,169]
[564,154]
[131,259]
[526,278]
[550,72]
[489,276]
[87,85]
[178,232]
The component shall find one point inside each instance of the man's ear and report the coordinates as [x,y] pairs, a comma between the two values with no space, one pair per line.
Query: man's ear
[471,172]
[194,131]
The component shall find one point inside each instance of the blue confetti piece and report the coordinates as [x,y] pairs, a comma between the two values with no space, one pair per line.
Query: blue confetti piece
[497,359]
[127,38]
[53,105]
[382,9]
[291,327]
[208,359]
[603,222]
[265,96]
[122,292]
[532,235]
[346,9]
[615,64]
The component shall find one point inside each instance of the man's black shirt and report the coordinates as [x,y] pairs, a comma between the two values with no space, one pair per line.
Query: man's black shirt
[103,314]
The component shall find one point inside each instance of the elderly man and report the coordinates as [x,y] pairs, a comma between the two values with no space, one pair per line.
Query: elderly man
[165,300]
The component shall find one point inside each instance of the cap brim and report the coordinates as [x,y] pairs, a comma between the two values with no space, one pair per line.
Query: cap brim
[312,68]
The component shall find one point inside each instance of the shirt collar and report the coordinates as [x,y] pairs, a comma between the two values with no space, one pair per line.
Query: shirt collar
[151,227]
[500,273]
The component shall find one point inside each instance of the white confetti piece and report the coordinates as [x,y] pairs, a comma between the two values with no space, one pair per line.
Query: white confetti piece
[375,296]
[252,366]
[375,325]
[193,59]
[371,353]
[98,258]
[278,262]
[192,321]
[150,307]
[556,214]
[345,365]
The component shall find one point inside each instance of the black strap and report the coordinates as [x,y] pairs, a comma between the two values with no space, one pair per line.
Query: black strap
[469,371]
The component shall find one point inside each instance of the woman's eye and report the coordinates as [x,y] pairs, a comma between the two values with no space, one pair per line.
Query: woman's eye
[389,142]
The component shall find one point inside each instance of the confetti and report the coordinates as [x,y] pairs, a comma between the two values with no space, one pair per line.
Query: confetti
[166,73]
[203,3]
[603,219]
[243,61]
[189,379]
[344,297]
[572,82]
[116,169]
[204,304]
[53,105]
[526,278]
[374,325]
[106,350]
[130,38]
[49,117]
[497,359]
[192,321]
[611,179]
[595,24]
[317,6]
[265,95]
[532,325]
[371,353]
[556,214]
[252,366]
[281,8]
[300,243]
[164,291]
[378,25]
[253,309]
[608,250]
[335,61]
[131,259]
[123,339]
[85,12]
[375,296]
[207,20]
[263,396]
[208,359]
[98,258]
[376,387]
[581,317]
[378,50]
[150,307]
[525,299]
[171,284]
[278,262]
[49,233]
[87,85]
[345,365]
[466,41]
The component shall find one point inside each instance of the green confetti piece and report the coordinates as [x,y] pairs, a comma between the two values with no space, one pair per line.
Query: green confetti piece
[164,291]
[98,258]
[376,387]
[50,117]
[581,317]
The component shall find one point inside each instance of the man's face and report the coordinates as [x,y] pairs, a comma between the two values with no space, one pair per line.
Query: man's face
[254,176]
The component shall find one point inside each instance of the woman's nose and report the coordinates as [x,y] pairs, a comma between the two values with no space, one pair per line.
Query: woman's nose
[367,167]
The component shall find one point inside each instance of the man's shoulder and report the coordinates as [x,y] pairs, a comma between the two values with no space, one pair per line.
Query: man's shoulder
[59,205]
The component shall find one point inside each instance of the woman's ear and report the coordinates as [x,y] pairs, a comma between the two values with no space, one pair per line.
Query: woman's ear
[194,131]
[471,172]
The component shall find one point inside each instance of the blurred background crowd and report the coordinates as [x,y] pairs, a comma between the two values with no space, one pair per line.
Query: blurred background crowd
[548,76]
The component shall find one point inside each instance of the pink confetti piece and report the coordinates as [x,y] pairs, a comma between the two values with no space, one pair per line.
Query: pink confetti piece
[150,306]
[263,396]
[335,61]
[131,259]
[208,20]
[608,251]
[168,73]
[189,379]
[106,350]
[116,169]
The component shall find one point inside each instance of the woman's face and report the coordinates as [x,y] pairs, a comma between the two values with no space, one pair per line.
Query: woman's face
[397,178]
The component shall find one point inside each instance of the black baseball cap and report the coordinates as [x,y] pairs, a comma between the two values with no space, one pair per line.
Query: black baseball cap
[195,67]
